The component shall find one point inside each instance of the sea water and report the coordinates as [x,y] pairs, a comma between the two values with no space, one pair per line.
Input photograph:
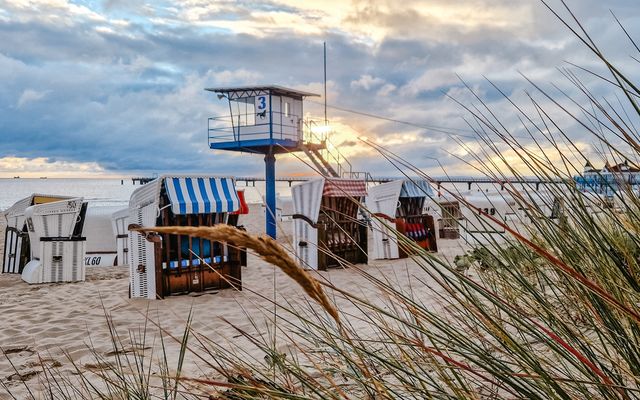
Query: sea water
[116,192]
[103,192]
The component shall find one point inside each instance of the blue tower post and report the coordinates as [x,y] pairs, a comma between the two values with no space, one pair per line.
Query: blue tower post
[270,183]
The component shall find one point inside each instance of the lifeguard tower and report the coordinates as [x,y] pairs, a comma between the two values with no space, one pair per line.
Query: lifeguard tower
[266,120]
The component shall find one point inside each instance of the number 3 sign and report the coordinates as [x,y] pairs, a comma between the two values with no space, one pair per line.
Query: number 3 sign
[262,106]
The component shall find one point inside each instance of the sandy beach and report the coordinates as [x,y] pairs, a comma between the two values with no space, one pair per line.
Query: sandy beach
[59,325]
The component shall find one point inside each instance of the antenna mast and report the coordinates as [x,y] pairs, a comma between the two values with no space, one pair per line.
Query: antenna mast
[325,82]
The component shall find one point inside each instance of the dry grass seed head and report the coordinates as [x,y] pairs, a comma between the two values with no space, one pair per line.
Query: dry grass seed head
[267,248]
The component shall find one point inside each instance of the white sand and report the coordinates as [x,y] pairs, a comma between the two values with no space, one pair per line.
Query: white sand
[54,323]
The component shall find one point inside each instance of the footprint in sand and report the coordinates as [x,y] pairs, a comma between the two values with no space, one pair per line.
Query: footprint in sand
[43,362]
[16,349]
[99,366]
[22,376]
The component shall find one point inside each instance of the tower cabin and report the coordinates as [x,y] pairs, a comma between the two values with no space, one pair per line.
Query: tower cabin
[262,120]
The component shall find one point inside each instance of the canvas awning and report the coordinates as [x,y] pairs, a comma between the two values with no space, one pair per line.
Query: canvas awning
[344,188]
[416,188]
[201,195]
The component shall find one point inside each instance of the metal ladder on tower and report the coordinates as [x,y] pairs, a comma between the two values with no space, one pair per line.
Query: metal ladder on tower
[326,157]
[313,152]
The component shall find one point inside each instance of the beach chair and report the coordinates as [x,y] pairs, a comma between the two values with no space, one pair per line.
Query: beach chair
[450,221]
[477,227]
[120,224]
[327,229]
[101,246]
[170,265]
[399,206]
[57,244]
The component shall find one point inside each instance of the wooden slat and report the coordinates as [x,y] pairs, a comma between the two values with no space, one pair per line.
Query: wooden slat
[190,269]
[166,242]
[202,255]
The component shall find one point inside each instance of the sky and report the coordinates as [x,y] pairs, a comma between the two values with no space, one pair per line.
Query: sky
[116,87]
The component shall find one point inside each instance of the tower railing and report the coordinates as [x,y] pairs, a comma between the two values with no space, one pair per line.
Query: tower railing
[254,126]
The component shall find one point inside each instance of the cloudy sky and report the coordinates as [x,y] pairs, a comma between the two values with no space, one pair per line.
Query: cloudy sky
[115,87]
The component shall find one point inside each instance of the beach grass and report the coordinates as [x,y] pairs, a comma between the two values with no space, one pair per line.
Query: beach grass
[552,312]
